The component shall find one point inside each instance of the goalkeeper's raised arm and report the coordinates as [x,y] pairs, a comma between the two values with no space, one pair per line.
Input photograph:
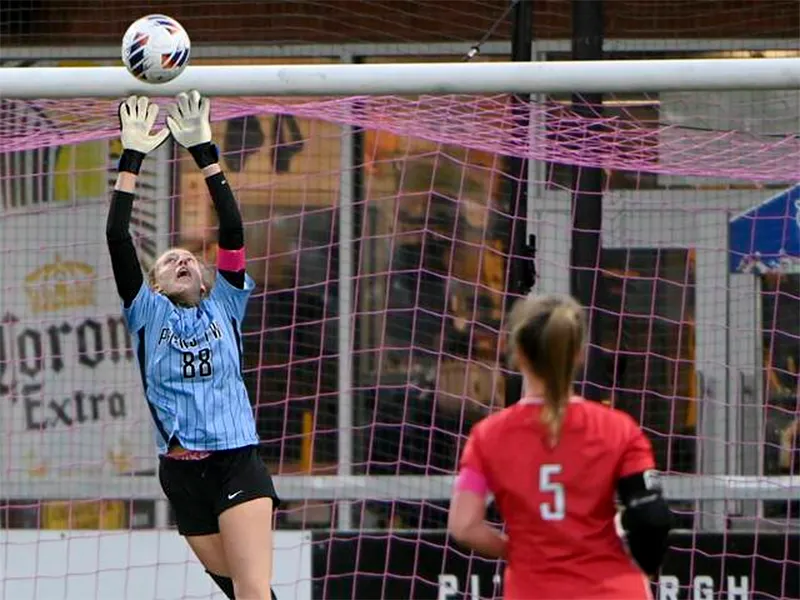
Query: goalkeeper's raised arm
[189,123]
[137,117]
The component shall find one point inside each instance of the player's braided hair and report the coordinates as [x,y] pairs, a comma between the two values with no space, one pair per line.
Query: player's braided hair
[548,333]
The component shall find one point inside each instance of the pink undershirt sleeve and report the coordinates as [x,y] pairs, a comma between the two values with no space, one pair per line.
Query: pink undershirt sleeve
[231,260]
[470,480]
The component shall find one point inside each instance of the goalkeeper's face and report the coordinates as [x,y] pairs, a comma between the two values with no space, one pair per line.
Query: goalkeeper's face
[178,275]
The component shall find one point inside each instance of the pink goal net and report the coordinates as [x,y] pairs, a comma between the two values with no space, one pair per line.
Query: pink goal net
[622,140]
[696,309]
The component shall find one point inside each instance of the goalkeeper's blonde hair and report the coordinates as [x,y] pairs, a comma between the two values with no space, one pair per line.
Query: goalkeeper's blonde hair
[547,336]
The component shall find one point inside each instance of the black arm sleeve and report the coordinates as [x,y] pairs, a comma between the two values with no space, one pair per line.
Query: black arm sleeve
[647,520]
[124,262]
[231,228]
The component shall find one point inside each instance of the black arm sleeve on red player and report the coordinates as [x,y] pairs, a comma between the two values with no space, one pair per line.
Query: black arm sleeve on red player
[647,520]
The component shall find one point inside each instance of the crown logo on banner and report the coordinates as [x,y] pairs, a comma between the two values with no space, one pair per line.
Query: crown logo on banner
[60,285]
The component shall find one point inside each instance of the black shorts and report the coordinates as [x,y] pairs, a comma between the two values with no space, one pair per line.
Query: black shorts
[199,491]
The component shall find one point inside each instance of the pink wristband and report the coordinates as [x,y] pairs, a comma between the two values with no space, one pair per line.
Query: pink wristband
[470,480]
[231,260]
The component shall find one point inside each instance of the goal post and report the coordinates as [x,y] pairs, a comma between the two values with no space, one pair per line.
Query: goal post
[412,78]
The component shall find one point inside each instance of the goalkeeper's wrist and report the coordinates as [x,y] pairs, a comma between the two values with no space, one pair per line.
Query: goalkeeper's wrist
[204,154]
[130,161]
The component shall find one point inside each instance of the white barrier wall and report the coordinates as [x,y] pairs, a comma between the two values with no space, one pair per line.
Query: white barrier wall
[139,565]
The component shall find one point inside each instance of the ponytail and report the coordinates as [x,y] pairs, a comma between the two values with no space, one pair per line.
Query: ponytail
[548,331]
[561,341]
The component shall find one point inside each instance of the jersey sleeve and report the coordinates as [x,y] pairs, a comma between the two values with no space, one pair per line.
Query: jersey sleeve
[471,472]
[471,458]
[637,454]
[231,299]
[142,309]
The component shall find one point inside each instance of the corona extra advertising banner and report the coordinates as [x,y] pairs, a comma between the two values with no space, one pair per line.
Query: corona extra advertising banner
[71,404]
[69,385]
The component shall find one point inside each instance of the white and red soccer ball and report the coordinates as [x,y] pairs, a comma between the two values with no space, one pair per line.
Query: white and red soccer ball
[156,49]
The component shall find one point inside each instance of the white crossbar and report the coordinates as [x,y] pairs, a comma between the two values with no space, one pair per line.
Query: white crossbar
[425,78]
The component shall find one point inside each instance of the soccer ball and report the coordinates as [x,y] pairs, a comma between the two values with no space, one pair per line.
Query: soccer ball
[155,49]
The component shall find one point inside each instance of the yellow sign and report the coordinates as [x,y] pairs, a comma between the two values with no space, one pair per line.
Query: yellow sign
[60,285]
[93,514]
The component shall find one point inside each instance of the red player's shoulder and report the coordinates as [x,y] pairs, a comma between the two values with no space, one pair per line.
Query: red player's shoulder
[582,410]
[601,410]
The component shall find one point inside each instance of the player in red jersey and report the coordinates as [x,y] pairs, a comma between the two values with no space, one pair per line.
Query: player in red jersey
[556,465]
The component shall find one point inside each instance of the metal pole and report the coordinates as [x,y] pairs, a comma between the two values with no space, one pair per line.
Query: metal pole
[345,330]
[412,78]
[587,200]
[520,271]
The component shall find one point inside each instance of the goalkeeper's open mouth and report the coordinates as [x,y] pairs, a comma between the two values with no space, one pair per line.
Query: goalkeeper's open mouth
[183,272]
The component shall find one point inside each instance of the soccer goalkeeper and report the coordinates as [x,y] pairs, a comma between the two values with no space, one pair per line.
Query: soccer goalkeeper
[186,329]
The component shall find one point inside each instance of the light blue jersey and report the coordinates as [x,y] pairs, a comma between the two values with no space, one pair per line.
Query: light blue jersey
[191,365]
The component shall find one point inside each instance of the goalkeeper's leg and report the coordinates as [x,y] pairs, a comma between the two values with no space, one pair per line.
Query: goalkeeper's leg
[196,523]
[233,539]
[246,534]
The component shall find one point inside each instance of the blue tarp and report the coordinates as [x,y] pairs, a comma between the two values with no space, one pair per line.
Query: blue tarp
[767,237]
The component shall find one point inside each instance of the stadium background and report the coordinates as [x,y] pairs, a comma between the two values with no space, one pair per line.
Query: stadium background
[444,296]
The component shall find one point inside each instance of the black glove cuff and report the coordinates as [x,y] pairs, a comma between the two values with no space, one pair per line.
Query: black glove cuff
[205,154]
[130,161]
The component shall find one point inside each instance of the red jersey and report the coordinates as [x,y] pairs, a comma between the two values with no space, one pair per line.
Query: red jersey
[558,503]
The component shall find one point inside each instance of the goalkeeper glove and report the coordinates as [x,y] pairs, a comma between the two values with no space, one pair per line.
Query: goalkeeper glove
[189,123]
[137,115]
